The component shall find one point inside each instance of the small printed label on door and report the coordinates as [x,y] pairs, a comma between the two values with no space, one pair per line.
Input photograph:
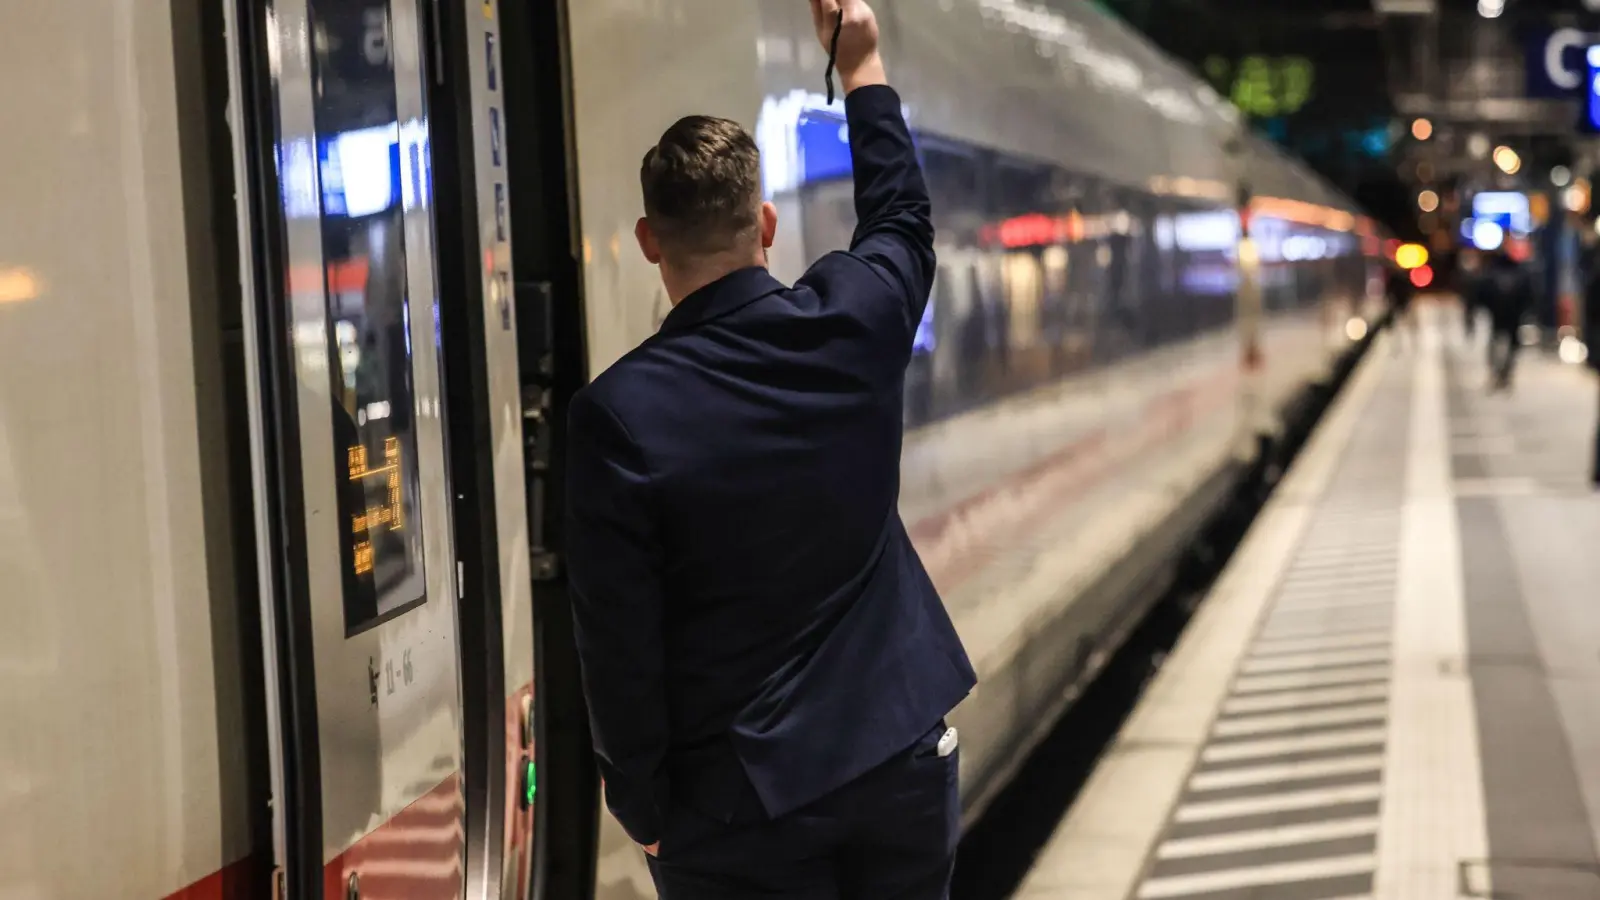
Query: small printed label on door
[488,61]
[494,135]
[398,674]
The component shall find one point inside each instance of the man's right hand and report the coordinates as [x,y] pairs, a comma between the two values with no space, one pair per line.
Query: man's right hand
[857,61]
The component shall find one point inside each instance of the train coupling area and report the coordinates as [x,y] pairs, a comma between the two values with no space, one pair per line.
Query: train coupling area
[1390,691]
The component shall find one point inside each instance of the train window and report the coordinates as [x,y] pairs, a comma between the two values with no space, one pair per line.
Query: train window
[368,172]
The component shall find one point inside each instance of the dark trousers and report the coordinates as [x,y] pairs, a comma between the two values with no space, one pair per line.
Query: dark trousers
[889,835]
[1503,348]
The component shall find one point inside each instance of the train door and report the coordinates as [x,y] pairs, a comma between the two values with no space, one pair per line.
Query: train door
[388,466]
[482,325]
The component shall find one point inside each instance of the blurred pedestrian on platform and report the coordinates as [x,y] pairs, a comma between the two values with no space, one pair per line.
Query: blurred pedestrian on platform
[1508,295]
[1401,293]
[1469,283]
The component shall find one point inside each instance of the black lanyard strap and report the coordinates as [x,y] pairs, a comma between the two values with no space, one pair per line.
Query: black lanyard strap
[833,54]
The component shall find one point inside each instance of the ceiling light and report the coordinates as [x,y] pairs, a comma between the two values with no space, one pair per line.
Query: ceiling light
[1507,159]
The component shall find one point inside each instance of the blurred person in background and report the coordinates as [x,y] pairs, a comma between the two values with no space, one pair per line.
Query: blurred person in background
[1401,293]
[1507,291]
[1469,284]
[766,661]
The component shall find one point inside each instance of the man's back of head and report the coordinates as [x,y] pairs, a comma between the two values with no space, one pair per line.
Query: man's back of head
[704,216]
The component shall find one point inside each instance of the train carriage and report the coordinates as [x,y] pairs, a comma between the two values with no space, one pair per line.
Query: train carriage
[293,294]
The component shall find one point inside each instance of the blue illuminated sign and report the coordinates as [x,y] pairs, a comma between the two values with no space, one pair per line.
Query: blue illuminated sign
[824,143]
[1508,210]
[1591,103]
[1555,62]
[361,171]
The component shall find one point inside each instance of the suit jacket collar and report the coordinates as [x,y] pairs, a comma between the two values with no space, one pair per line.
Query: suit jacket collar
[725,295]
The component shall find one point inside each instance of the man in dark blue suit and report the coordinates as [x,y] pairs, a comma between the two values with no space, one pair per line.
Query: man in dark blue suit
[767,664]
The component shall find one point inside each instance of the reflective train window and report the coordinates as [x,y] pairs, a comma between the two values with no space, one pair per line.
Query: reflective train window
[367,170]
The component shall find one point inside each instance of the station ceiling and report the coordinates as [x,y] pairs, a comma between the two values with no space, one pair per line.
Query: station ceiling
[1374,67]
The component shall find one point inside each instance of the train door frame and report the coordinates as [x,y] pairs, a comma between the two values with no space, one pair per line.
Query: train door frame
[463,326]
[549,259]
[294,775]
[540,177]
[290,700]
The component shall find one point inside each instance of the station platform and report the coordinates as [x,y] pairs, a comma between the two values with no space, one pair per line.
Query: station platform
[1392,689]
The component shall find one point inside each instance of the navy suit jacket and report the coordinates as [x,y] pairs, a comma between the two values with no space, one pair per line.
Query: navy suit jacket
[754,627]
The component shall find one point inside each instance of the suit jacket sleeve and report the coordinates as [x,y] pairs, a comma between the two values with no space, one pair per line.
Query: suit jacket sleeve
[894,233]
[615,564]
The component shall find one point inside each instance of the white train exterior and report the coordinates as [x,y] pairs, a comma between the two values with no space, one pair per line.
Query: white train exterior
[292,294]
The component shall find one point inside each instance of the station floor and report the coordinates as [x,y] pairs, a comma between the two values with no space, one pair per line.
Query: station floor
[1393,690]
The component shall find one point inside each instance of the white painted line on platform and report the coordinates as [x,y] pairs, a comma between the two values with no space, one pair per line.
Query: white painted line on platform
[1382,582]
[1356,603]
[1305,743]
[1100,849]
[1258,876]
[1310,697]
[1335,557]
[1496,487]
[1281,772]
[1254,684]
[1380,622]
[1268,838]
[1316,660]
[1290,721]
[1317,643]
[1433,807]
[1283,801]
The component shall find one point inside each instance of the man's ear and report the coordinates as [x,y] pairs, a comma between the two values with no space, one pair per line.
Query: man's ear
[769,225]
[648,245]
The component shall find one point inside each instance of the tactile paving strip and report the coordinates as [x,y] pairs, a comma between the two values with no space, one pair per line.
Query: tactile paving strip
[1283,802]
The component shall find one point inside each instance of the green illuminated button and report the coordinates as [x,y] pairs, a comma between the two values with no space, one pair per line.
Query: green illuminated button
[530,782]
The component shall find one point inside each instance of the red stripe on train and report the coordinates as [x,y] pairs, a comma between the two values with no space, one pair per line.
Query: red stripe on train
[417,855]
[957,543]
[246,879]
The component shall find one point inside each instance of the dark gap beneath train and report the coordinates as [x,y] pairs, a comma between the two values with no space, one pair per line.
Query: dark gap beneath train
[1001,847]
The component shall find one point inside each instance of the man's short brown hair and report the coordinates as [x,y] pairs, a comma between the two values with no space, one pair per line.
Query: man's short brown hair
[702,186]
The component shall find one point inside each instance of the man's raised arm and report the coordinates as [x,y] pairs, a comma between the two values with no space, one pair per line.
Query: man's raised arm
[894,231]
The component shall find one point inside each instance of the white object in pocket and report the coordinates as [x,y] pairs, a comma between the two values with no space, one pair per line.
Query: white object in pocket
[948,742]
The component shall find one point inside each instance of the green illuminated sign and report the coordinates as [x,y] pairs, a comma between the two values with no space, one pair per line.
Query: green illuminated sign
[1264,86]
[530,783]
